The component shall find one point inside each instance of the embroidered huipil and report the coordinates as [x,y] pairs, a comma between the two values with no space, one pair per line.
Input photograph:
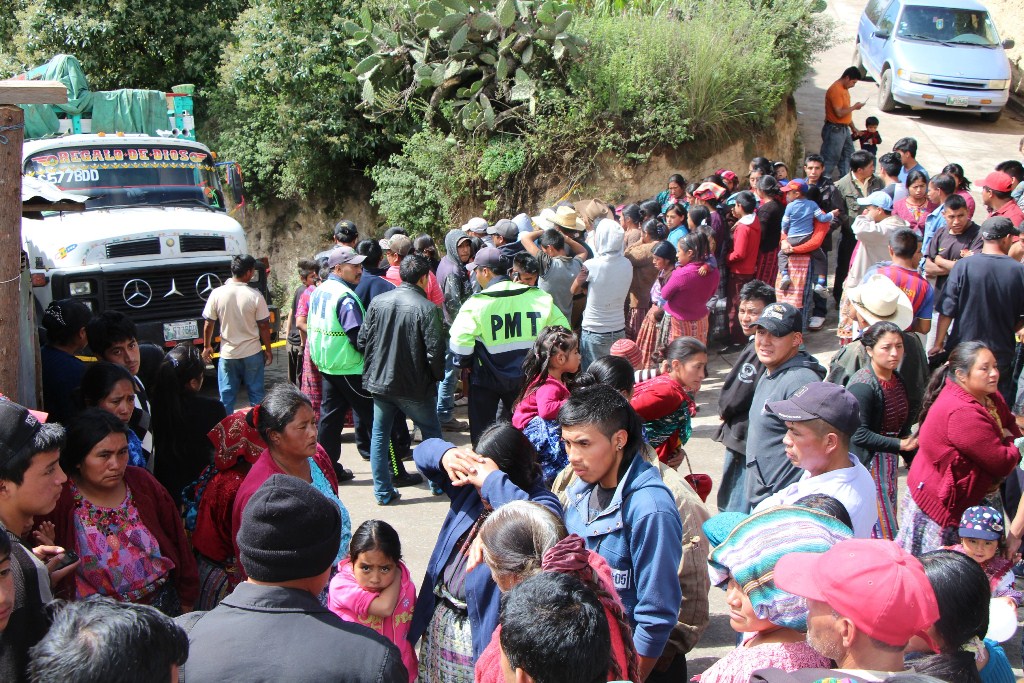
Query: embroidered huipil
[120,557]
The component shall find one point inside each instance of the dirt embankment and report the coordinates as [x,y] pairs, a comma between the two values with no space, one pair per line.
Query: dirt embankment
[289,231]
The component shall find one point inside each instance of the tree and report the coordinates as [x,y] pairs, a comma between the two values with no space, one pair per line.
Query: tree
[125,43]
[286,105]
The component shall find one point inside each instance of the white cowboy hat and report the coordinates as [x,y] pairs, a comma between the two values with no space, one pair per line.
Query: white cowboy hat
[545,220]
[879,299]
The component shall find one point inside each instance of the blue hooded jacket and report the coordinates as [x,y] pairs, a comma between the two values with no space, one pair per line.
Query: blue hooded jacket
[640,534]
[483,598]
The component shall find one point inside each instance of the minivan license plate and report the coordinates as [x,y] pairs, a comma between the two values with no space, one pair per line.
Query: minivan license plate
[185,329]
[957,101]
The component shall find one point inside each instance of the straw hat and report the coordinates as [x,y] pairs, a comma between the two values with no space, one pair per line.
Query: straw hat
[879,299]
[565,217]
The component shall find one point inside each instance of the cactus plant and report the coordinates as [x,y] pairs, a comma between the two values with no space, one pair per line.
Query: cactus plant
[481,62]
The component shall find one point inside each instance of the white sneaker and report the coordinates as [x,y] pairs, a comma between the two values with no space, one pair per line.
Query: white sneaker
[821,289]
[816,323]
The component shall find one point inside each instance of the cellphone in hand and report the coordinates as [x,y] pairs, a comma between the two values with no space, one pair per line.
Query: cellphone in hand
[66,560]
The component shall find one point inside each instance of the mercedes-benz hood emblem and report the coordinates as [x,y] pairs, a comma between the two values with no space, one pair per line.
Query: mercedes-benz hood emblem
[205,284]
[137,293]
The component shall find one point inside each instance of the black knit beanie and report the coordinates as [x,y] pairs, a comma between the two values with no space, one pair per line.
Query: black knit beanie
[289,531]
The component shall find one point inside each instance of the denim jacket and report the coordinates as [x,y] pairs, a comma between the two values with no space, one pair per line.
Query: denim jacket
[640,535]
[482,594]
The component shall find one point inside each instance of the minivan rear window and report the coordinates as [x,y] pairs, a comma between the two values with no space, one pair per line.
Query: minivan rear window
[947,25]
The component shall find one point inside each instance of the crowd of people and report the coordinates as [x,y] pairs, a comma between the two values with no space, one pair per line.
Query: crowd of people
[143,517]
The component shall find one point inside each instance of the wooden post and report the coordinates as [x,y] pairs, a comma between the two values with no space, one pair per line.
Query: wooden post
[12,120]
[12,134]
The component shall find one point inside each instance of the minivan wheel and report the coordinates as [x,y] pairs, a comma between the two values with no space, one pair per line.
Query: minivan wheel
[886,102]
[991,116]
[858,62]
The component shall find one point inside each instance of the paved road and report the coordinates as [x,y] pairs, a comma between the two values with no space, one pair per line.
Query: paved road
[942,138]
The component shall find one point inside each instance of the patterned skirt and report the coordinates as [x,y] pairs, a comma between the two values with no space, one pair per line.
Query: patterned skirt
[884,472]
[647,341]
[312,383]
[634,321]
[546,437]
[767,266]
[214,583]
[688,328]
[799,271]
[446,651]
[918,532]
[846,319]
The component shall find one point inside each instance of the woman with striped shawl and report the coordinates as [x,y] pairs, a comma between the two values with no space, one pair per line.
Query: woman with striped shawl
[773,622]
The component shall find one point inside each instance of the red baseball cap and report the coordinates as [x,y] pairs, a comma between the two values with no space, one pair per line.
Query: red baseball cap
[998,181]
[874,583]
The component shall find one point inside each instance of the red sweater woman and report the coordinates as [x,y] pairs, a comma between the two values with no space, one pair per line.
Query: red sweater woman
[965,449]
[237,445]
[665,403]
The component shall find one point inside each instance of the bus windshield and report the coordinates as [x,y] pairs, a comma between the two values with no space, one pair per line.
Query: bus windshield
[124,174]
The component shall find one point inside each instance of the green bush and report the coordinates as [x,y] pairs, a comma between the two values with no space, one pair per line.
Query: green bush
[421,188]
[286,106]
[702,71]
[502,157]
[480,62]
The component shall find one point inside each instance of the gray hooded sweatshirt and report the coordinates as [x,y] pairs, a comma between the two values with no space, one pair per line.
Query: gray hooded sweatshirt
[609,275]
[768,468]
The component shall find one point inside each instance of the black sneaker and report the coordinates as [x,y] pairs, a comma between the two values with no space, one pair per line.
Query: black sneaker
[342,474]
[407,479]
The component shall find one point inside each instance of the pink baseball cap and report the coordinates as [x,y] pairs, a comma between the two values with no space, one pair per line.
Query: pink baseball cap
[874,583]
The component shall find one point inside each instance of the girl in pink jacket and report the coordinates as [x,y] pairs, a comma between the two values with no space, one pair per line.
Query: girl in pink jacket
[373,587]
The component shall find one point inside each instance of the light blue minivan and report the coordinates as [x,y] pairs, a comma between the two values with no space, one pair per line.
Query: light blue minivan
[934,54]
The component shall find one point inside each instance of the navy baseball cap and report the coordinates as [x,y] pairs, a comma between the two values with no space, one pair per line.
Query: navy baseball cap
[489,257]
[820,401]
[982,521]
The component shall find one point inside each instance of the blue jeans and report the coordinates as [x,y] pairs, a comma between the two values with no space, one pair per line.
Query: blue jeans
[594,345]
[836,147]
[446,389]
[732,492]
[232,373]
[423,415]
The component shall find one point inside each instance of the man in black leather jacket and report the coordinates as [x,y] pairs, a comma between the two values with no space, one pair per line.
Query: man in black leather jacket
[403,347]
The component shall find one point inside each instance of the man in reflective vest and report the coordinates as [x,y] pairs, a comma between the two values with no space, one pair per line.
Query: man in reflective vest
[335,316]
[492,333]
